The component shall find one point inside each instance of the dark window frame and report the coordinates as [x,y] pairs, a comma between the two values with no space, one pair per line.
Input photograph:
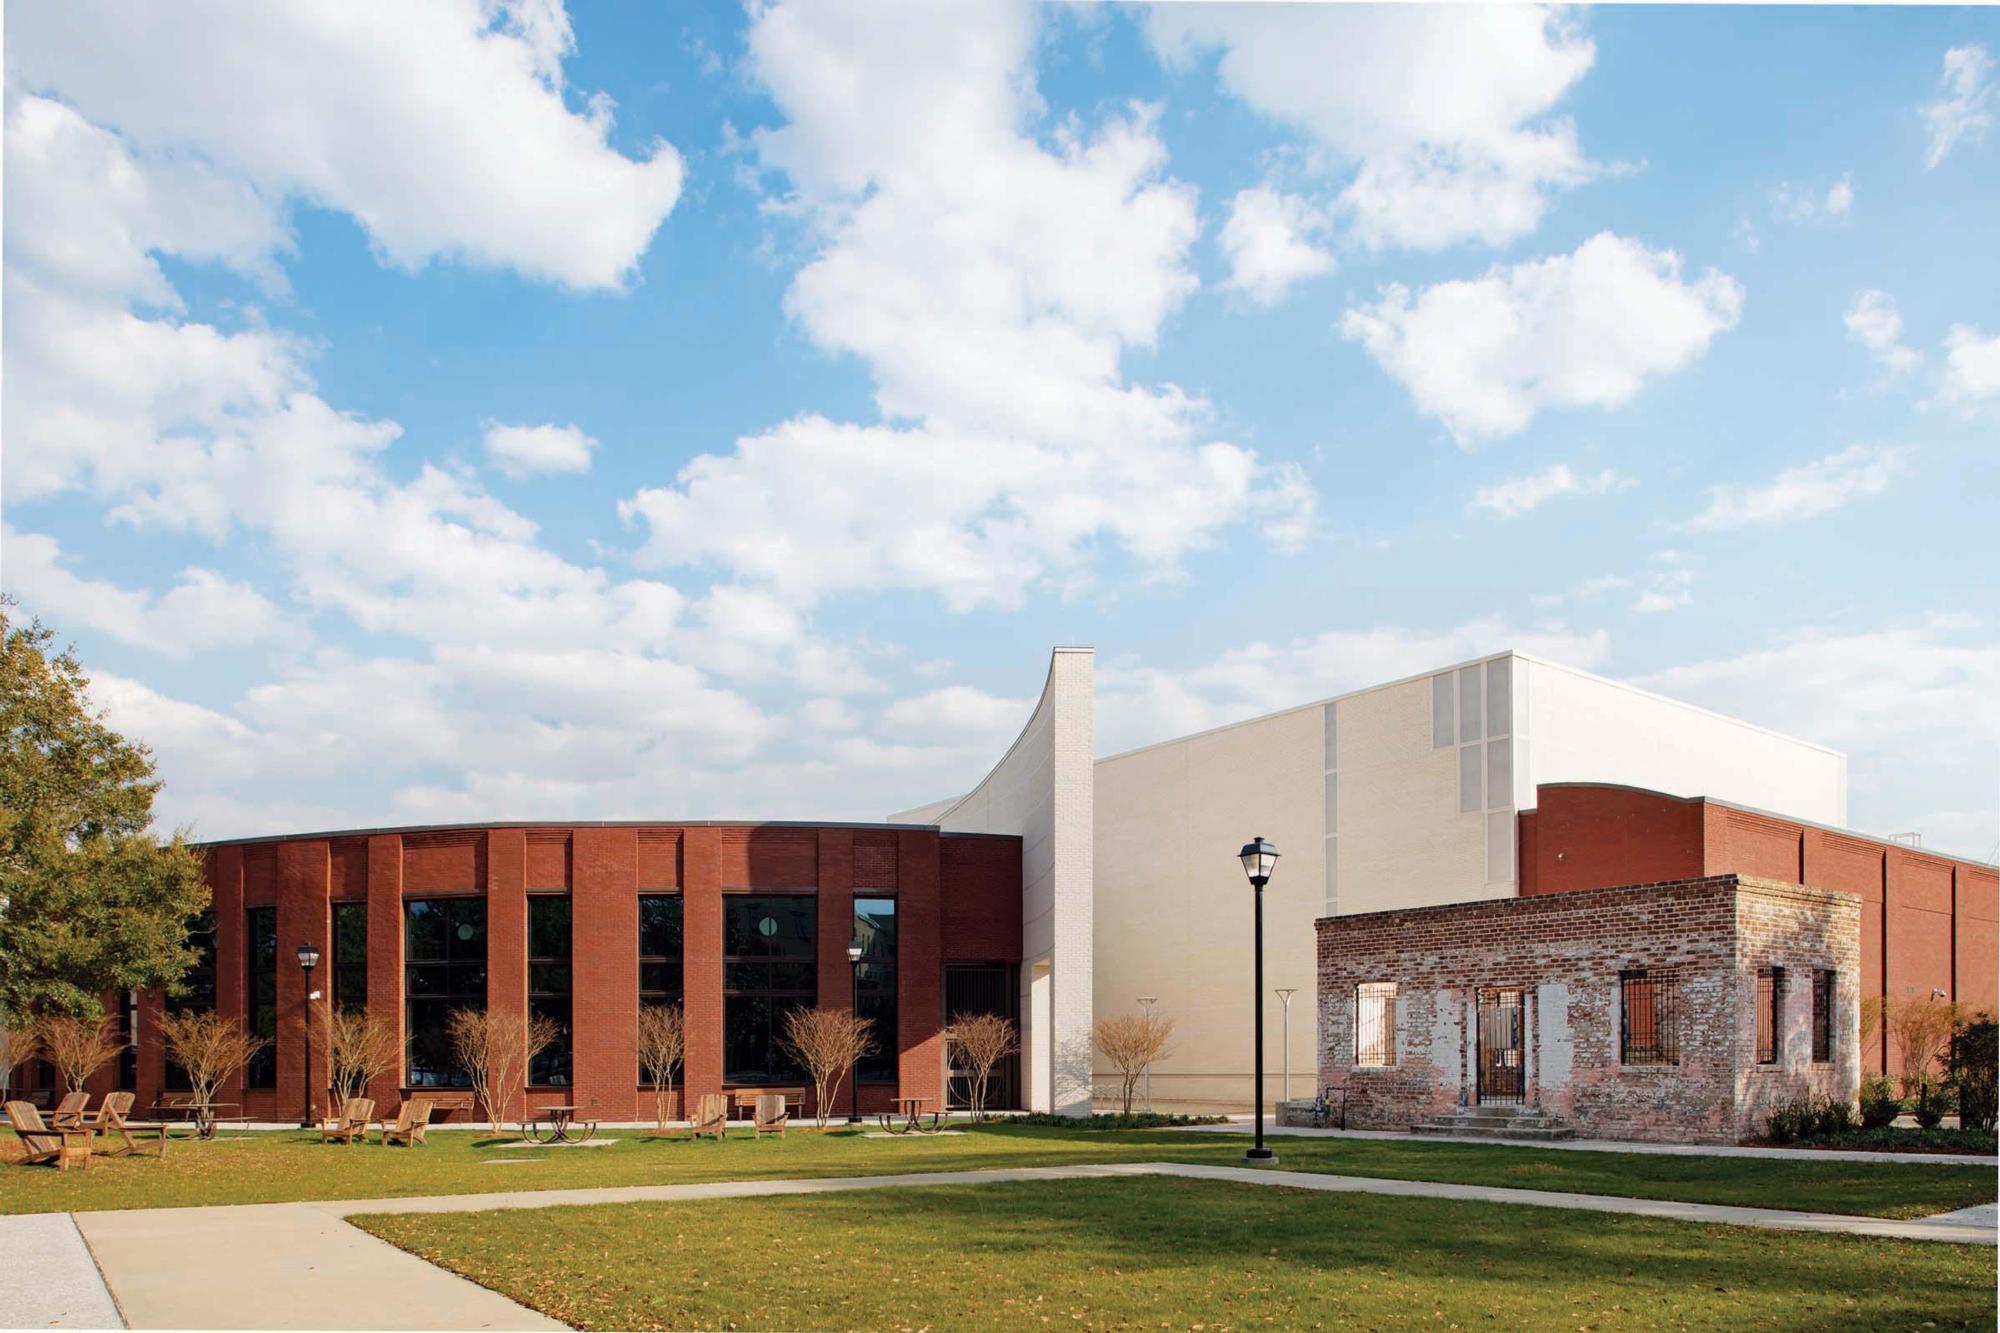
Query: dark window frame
[551,992]
[260,993]
[760,987]
[1825,981]
[877,988]
[454,967]
[667,969]
[1770,1011]
[1655,998]
[349,969]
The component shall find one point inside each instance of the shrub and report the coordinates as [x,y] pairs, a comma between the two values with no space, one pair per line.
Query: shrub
[1971,1062]
[1792,1120]
[1888,1138]
[1879,1104]
[1934,1102]
[1835,1116]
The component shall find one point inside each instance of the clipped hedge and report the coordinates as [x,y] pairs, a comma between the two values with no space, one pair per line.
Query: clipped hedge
[1137,1120]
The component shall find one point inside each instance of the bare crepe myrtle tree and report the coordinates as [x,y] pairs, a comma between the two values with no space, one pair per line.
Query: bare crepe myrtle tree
[18,1045]
[829,1043]
[495,1051]
[77,1047]
[1131,1042]
[210,1048]
[360,1048]
[1920,1029]
[662,1045]
[981,1041]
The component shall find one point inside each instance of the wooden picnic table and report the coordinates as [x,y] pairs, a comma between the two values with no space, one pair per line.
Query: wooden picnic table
[910,1111]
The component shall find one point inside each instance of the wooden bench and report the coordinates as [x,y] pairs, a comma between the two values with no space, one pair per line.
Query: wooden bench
[443,1100]
[744,1100]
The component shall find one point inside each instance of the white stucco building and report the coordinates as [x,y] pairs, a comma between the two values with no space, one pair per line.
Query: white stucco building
[1398,795]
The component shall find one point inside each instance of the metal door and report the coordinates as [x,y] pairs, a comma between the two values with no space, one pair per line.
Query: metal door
[984,988]
[1502,1064]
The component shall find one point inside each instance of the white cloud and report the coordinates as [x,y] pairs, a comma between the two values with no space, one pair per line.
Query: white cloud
[991,284]
[1669,590]
[1442,114]
[1267,242]
[526,451]
[1808,490]
[1875,323]
[1584,329]
[1138,705]
[1807,206]
[441,128]
[1517,495]
[1971,367]
[960,710]
[1916,708]
[1962,112]
[203,610]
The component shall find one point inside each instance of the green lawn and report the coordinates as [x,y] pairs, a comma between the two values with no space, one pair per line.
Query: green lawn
[1163,1253]
[278,1166]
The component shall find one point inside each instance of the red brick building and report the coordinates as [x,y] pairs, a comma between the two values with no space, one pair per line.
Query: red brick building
[1928,922]
[1680,1012]
[583,922]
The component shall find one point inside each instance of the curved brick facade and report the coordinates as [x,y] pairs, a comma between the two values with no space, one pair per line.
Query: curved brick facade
[958,900]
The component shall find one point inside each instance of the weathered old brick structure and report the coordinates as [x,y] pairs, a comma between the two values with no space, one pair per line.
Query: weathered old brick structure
[1678,1011]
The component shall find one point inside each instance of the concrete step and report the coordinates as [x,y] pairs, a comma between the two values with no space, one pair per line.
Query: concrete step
[1473,1129]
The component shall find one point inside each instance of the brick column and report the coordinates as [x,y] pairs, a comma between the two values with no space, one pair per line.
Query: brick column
[701,961]
[385,958]
[836,919]
[303,870]
[604,929]
[507,943]
[226,881]
[919,966]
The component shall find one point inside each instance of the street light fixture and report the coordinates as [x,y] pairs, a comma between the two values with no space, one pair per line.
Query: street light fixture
[1149,1001]
[1285,993]
[1259,859]
[308,960]
[854,951]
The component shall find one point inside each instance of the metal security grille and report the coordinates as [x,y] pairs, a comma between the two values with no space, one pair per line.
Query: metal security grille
[984,988]
[1770,1003]
[1502,1068]
[1648,1018]
[1822,1016]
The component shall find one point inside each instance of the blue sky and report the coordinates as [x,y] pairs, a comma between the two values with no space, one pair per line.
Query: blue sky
[505,412]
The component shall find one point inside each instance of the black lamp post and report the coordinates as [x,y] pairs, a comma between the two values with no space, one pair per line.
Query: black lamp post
[1259,859]
[308,960]
[854,952]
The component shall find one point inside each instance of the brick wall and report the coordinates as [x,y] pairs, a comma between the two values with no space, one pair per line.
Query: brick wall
[958,897]
[1565,953]
[1927,921]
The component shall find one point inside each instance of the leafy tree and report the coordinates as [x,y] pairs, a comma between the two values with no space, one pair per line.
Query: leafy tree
[90,901]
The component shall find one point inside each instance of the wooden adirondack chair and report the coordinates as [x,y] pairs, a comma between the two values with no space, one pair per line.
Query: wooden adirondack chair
[109,1118]
[408,1128]
[70,1111]
[39,1143]
[771,1115]
[711,1116]
[356,1114]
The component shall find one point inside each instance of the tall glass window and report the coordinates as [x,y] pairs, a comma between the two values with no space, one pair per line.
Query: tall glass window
[128,1041]
[260,954]
[875,927]
[197,987]
[444,947]
[350,957]
[549,984]
[659,952]
[768,969]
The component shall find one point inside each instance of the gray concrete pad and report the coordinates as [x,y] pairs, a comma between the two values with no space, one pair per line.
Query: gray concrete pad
[280,1265]
[47,1277]
[1241,1125]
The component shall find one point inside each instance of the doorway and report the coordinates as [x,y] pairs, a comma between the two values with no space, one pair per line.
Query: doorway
[983,988]
[1502,1066]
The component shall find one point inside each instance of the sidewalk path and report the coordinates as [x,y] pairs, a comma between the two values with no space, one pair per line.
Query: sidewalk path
[47,1279]
[299,1265]
[1241,1125]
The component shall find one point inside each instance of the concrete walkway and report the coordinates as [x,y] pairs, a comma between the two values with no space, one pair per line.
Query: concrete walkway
[300,1265]
[47,1277]
[1241,1125]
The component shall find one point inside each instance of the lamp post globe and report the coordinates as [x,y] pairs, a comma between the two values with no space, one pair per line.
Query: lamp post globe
[308,960]
[1259,859]
[855,949]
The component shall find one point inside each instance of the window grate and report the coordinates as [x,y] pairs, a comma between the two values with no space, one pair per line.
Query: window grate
[1822,1016]
[1770,1012]
[1375,1023]
[1649,1018]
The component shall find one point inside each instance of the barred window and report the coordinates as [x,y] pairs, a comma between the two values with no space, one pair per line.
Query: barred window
[1770,1012]
[1375,1023]
[1822,1015]
[1648,1018]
